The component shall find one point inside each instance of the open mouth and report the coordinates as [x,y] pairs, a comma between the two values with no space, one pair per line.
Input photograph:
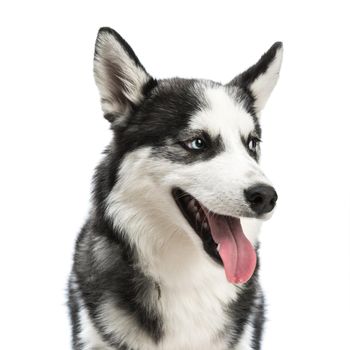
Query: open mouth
[222,236]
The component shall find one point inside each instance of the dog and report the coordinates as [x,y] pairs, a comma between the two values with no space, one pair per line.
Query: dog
[168,257]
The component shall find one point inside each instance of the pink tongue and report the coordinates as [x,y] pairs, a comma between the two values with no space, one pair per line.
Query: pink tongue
[236,252]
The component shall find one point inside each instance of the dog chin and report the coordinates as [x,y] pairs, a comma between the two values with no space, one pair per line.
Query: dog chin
[266,216]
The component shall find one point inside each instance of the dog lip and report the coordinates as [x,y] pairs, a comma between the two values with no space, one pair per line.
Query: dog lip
[197,219]
[179,194]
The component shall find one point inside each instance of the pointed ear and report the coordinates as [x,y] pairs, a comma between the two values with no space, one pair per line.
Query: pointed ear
[119,75]
[260,79]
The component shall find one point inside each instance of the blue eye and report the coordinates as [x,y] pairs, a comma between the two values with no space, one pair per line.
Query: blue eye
[253,143]
[196,144]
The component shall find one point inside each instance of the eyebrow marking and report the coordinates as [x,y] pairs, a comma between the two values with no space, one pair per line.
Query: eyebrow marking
[173,151]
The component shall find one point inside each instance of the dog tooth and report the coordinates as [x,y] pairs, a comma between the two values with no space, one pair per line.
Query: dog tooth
[218,247]
[205,226]
[198,217]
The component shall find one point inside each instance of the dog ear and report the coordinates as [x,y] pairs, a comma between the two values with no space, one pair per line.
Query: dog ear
[259,80]
[119,75]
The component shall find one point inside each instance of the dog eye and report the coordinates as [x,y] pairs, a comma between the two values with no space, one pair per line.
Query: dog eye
[253,143]
[196,144]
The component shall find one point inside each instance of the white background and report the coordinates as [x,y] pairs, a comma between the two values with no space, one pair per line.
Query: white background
[52,133]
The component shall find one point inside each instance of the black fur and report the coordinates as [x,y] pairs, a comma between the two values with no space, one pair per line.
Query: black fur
[74,314]
[114,279]
[245,79]
[249,307]
[120,85]
[119,39]
[161,122]
[164,113]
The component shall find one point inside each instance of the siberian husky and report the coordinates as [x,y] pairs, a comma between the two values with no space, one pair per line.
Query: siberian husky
[167,259]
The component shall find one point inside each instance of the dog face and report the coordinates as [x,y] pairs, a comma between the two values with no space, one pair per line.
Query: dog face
[191,147]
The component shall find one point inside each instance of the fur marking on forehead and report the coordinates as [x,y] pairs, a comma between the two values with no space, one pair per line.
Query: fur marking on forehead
[224,115]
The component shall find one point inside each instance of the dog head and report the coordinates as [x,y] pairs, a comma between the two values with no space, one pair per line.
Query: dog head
[189,150]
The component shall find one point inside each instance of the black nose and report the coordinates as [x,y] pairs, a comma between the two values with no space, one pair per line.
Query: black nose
[262,198]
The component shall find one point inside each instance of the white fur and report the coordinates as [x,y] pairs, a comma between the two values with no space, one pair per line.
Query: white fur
[124,327]
[187,311]
[159,231]
[219,183]
[246,338]
[193,286]
[224,116]
[89,337]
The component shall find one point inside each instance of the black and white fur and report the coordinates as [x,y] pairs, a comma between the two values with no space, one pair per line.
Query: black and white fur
[141,279]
